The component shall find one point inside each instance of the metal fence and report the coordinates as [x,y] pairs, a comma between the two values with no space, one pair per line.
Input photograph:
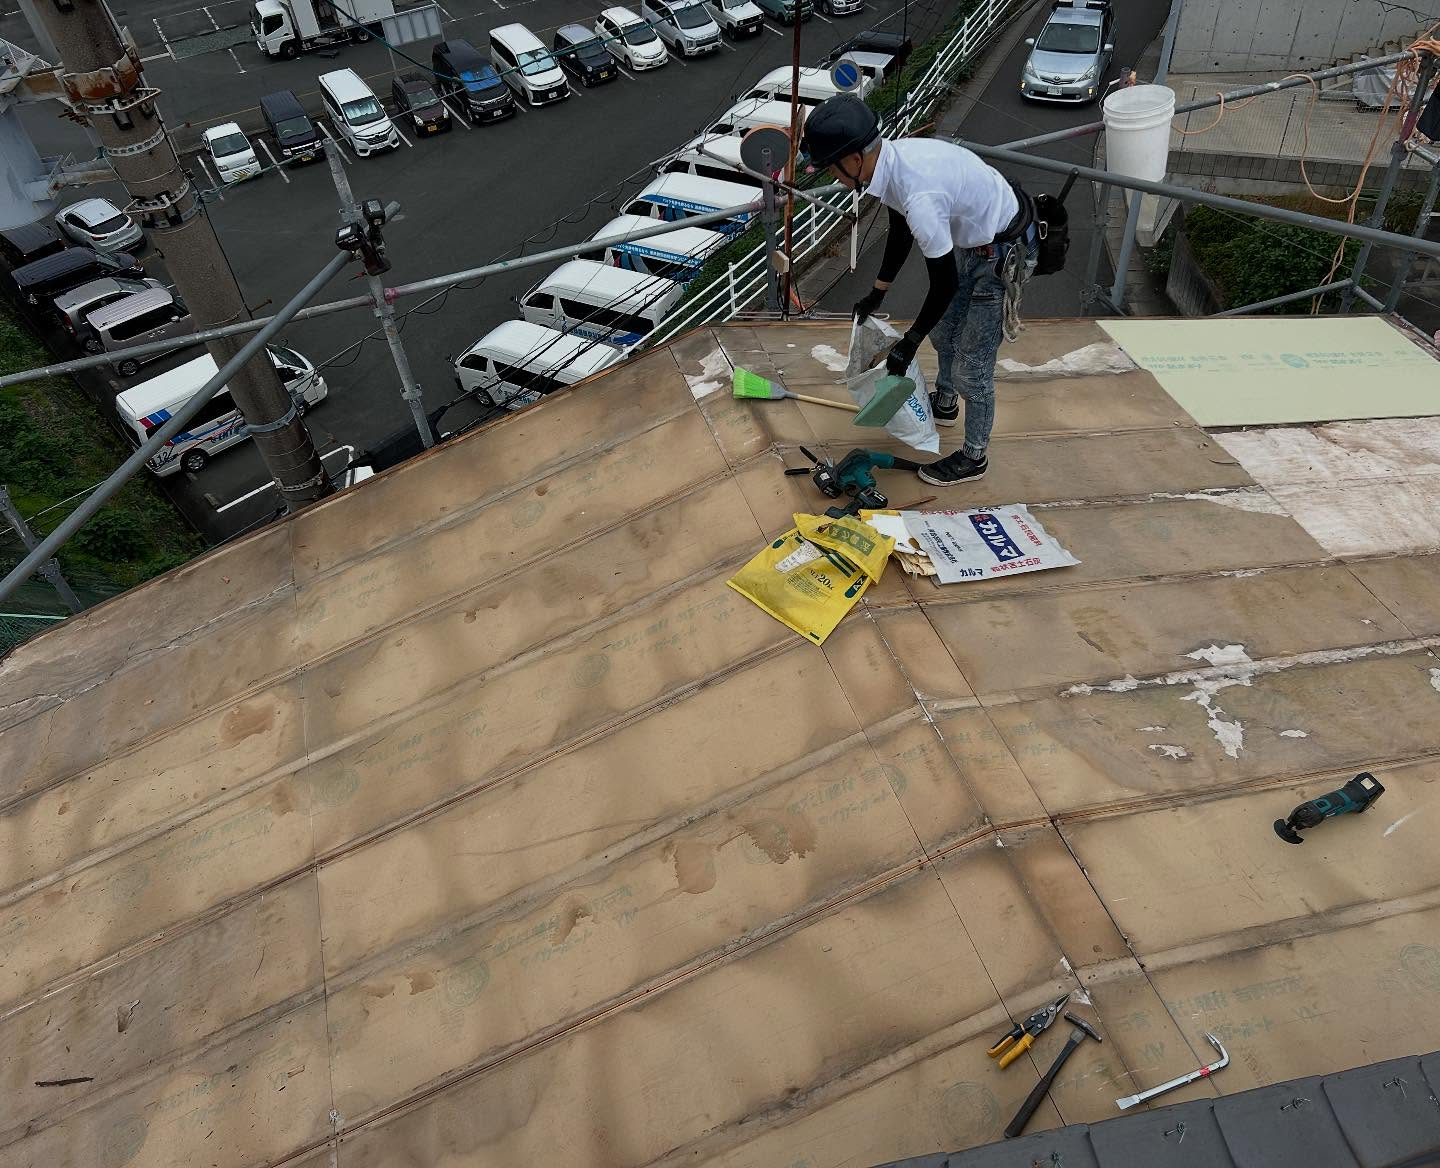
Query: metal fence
[744,282]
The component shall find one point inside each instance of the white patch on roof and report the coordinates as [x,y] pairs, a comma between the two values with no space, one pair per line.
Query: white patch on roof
[1294,734]
[714,375]
[1101,359]
[831,358]
[1168,751]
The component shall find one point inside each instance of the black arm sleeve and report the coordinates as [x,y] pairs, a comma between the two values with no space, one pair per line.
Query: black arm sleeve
[898,242]
[944,283]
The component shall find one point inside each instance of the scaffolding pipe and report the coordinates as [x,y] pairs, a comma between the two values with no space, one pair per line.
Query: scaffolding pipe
[391,294]
[1234,95]
[1274,301]
[1219,202]
[101,495]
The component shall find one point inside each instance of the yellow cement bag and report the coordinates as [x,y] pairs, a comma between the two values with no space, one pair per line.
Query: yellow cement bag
[809,584]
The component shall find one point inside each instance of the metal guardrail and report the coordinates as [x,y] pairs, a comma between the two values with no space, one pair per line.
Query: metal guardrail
[745,281]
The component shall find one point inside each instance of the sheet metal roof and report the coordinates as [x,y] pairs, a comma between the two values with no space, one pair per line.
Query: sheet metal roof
[468,817]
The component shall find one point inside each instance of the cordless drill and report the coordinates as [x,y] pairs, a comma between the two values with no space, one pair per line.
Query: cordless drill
[853,475]
[1356,796]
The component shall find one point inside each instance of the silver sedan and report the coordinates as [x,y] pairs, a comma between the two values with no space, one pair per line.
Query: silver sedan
[1070,57]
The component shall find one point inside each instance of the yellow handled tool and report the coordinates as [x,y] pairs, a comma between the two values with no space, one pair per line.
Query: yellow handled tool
[1021,1036]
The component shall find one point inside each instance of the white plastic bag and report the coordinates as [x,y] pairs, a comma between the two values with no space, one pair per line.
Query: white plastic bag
[913,424]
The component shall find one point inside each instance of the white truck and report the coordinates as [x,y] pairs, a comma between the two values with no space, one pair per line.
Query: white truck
[287,28]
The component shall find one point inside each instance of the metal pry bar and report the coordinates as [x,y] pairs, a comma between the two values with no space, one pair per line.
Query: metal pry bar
[1199,1073]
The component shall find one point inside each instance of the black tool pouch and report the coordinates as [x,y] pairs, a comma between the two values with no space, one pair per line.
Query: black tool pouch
[1052,230]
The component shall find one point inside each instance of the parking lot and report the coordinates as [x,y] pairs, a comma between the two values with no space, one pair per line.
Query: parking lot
[543,178]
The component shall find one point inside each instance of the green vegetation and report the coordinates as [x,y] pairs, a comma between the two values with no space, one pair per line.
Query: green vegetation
[53,444]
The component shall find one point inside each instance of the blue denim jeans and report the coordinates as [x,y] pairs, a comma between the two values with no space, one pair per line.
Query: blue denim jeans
[968,338]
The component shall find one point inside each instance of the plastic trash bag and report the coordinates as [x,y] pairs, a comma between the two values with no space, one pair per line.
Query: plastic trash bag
[913,423]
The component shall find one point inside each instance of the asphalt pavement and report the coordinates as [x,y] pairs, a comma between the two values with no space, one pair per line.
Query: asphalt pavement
[473,195]
[545,177]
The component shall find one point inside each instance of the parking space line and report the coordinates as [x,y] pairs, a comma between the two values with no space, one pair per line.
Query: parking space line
[165,56]
[404,139]
[724,44]
[519,104]
[772,28]
[334,141]
[573,91]
[273,162]
[817,16]
[446,12]
[214,182]
[626,72]
[454,113]
[678,60]
[160,32]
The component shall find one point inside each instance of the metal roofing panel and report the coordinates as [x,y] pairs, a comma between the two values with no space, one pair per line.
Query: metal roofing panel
[1386,1110]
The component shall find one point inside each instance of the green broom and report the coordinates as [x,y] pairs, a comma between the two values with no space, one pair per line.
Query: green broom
[752,385]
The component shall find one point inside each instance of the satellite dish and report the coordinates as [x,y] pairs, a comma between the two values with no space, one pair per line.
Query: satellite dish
[765,149]
[845,75]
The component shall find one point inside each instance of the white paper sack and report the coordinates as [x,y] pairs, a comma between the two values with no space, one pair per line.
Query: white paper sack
[913,423]
[984,543]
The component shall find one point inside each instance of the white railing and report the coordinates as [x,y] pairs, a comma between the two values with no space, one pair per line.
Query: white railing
[745,282]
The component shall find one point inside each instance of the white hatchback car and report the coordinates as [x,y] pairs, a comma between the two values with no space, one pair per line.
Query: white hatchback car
[631,39]
[231,152]
[100,224]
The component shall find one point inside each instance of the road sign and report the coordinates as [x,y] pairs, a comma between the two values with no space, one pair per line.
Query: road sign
[845,74]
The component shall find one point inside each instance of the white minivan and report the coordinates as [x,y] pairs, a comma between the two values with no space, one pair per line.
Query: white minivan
[720,159]
[146,407]
[673,197]
[676,255]
[516,364]
[815,85]
[600,302]
[356,113]
[527,65]
[757,111]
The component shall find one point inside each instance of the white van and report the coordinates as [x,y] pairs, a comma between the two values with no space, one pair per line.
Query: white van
[756,111]
[149,405]
[516,364]
[676,255]
[815,86]
[720,159]
[673,197]
[356,113]
[601,302]
[527,65]
[231,153]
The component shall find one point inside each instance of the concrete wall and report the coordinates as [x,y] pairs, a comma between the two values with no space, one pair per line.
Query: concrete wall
[1264,35]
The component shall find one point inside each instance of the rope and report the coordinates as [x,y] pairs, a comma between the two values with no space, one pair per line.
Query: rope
[1012,275]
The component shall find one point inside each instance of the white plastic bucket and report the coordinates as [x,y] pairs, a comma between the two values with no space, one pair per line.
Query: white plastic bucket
[1137,131]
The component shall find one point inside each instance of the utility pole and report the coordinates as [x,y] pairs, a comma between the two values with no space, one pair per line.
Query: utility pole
[789,291]
[350,212]
[104,83]
[50,569]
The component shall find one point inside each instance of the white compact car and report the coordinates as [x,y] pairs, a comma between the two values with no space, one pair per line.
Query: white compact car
[231,152]
[631,39]
[100,224]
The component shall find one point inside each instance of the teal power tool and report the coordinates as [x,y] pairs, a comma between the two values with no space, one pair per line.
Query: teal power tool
[853,475]
[1356,796]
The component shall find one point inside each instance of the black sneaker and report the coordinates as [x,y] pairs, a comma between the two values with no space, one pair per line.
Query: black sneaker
[953,470]
[947,412]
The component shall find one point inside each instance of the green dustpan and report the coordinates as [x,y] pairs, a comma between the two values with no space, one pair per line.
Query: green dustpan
[890,395]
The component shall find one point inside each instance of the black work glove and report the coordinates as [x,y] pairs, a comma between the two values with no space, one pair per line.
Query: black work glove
[902,354]
[868,304]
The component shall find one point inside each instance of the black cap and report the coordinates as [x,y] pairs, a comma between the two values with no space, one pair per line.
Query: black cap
[838,126]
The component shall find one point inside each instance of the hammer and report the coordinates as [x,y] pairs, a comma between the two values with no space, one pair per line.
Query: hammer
[1032,1101]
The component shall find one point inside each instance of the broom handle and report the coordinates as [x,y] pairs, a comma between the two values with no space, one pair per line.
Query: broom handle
[824,401]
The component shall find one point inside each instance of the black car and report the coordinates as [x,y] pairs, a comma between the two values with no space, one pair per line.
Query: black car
[29,242]
[40,280]
[415,98]
[295,134]
[463,75]
[580,52]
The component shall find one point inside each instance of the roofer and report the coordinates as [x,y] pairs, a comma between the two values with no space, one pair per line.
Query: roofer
[978,236]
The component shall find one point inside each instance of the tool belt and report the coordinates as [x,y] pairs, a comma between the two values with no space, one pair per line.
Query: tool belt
[1051,221]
